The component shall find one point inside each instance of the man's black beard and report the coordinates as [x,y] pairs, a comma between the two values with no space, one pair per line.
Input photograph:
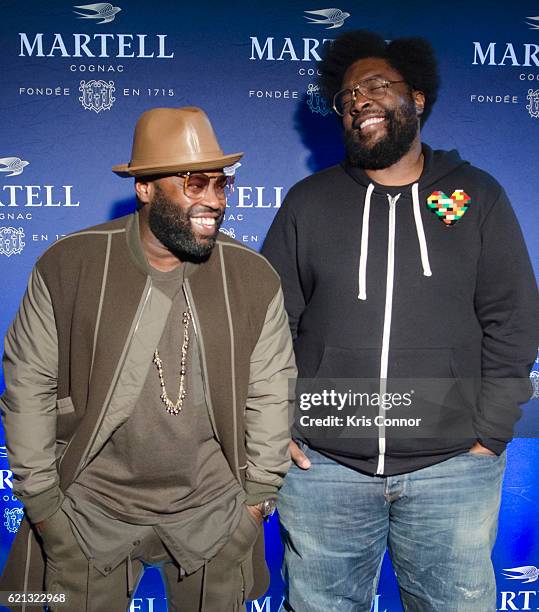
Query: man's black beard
[172,227]
[401,130]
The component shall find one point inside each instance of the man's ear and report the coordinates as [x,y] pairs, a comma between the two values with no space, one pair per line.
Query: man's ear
[143,190]
[419,101]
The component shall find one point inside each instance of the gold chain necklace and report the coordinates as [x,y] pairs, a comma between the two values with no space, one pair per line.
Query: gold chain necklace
[171,407]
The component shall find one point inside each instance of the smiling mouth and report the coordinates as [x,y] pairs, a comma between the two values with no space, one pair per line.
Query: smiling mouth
[209,222]
[205,227]
[370,121]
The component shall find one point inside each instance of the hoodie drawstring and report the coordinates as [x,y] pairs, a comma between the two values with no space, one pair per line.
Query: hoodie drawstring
[362,295]
[362,272]
[420,231]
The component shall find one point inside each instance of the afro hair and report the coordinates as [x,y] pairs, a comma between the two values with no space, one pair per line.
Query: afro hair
[413,58]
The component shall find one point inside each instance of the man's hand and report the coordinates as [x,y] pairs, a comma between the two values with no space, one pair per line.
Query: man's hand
[298,457]
[256,513]
[479,449]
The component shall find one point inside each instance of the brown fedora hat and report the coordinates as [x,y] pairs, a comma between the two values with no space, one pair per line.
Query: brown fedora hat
[174,140]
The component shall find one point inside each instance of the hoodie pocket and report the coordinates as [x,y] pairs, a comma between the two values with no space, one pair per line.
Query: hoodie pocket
[341,370]
[341,362]
[425,363]
[441,404]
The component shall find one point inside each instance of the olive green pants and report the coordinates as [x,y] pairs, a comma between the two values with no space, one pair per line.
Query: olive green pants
[219,586]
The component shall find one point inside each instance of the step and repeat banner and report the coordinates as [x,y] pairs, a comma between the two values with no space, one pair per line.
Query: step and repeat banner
[75,78]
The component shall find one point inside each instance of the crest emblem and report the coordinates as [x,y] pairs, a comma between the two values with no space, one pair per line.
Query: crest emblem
[12,519]
[449,209]
[316,102]
[11,242]
[534,379]
[533,106]
[97,95]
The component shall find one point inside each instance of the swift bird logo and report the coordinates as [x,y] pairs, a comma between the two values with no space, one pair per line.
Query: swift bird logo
[526,573]
[332,17]
[14,165]
[231,170]
[228,232]
[101,10]
[533,26]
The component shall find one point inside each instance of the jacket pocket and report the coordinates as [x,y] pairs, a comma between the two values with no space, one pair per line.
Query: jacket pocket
[66,421]
[247,577]
[64,406]
[242,539]
[56,536]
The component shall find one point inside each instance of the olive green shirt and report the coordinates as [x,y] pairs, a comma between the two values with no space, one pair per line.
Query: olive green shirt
[160,471]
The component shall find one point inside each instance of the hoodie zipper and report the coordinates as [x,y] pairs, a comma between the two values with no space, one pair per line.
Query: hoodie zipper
[384,359]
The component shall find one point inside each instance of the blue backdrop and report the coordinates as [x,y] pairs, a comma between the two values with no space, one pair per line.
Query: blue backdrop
[74,80]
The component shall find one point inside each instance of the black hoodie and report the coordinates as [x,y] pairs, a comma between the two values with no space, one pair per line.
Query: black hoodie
[384,283]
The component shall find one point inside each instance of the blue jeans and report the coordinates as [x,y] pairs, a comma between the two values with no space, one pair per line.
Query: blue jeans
[439,524]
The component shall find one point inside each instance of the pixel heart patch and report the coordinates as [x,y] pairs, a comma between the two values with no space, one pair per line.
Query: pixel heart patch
[449,209]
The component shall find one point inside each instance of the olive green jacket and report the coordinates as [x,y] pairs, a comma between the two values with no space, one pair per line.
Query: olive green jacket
[80,347]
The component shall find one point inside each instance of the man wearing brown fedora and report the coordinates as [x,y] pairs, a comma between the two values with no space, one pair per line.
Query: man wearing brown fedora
[146,402]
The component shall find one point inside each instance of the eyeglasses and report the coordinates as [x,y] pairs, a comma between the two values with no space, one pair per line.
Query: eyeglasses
[195,186]
[374,88]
